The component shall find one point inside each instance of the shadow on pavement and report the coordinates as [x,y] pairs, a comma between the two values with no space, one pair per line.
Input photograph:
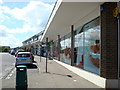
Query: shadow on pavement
[32,66]
[59,74]
[34,62]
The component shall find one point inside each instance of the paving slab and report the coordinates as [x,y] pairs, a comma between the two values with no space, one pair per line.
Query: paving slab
[56,77]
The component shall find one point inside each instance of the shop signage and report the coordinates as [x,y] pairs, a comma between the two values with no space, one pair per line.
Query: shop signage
[115,12]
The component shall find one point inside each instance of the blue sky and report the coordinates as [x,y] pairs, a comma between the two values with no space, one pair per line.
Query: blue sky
[21,20]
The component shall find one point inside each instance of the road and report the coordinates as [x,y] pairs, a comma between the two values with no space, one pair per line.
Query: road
[7,62]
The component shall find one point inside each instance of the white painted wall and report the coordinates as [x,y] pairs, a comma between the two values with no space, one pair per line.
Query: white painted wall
[97,80]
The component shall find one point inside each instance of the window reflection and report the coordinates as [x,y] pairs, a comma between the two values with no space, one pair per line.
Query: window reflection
[65,54]
[87,46]
[55,49]
[86,50]
[92,49]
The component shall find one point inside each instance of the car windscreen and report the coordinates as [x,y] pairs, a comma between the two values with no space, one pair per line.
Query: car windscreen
[23,55]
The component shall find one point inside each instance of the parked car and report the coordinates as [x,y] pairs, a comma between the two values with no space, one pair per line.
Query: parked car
[12,52]
[20,50]
[24,58]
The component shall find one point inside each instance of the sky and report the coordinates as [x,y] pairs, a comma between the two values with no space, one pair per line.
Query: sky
[20,20]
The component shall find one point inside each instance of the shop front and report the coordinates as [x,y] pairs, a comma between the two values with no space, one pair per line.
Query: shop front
[92,48]
[87,47]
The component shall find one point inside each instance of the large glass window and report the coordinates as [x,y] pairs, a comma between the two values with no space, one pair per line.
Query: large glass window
[65,54]
[67,50]
[87,46]
[79,49]
[50,49]
[55,49]
[92,46]
[62,45]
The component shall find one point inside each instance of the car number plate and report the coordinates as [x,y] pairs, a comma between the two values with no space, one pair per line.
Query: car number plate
[23,59]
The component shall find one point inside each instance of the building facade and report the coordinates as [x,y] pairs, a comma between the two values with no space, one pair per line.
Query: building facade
[86,40]
[33,44]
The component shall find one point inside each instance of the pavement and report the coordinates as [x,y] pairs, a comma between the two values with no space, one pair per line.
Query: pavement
[57,76]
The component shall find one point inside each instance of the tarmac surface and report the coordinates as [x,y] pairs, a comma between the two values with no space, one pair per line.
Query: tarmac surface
[57,76]
[7,62]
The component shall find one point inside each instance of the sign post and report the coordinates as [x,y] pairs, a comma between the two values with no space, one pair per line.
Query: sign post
[46,52]
[40,53]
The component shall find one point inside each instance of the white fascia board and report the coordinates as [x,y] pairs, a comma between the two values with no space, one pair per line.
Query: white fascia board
[58,3]
[91,1]
[55,10]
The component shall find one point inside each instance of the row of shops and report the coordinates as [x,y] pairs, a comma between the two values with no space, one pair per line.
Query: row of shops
[84,36]
[34,45]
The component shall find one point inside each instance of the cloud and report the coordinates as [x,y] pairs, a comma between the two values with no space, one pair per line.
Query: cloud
[45,1]
[1,1]
[34,16]
[3,32]
[7,39]
[93,34]
[10,40]
[3,17]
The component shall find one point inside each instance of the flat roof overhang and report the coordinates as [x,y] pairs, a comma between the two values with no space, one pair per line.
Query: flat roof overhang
[66,14]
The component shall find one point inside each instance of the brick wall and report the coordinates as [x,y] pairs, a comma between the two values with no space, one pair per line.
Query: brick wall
[109,41]
[119,37]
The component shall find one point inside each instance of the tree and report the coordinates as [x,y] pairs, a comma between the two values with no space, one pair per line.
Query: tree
[5,50]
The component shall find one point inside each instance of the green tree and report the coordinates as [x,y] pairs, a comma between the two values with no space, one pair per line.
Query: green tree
[5,50]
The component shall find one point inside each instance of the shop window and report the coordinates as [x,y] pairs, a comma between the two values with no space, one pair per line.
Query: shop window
[62,45]
[86,50]
[87,46]
[65,54]
[55,49]
[79,49]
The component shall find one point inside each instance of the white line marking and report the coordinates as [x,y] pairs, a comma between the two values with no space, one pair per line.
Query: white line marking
[10,75]
[8,78]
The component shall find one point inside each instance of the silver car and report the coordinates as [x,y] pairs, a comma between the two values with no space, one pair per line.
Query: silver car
[24,58]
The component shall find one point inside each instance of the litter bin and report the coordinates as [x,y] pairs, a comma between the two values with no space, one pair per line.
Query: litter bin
[21,77]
